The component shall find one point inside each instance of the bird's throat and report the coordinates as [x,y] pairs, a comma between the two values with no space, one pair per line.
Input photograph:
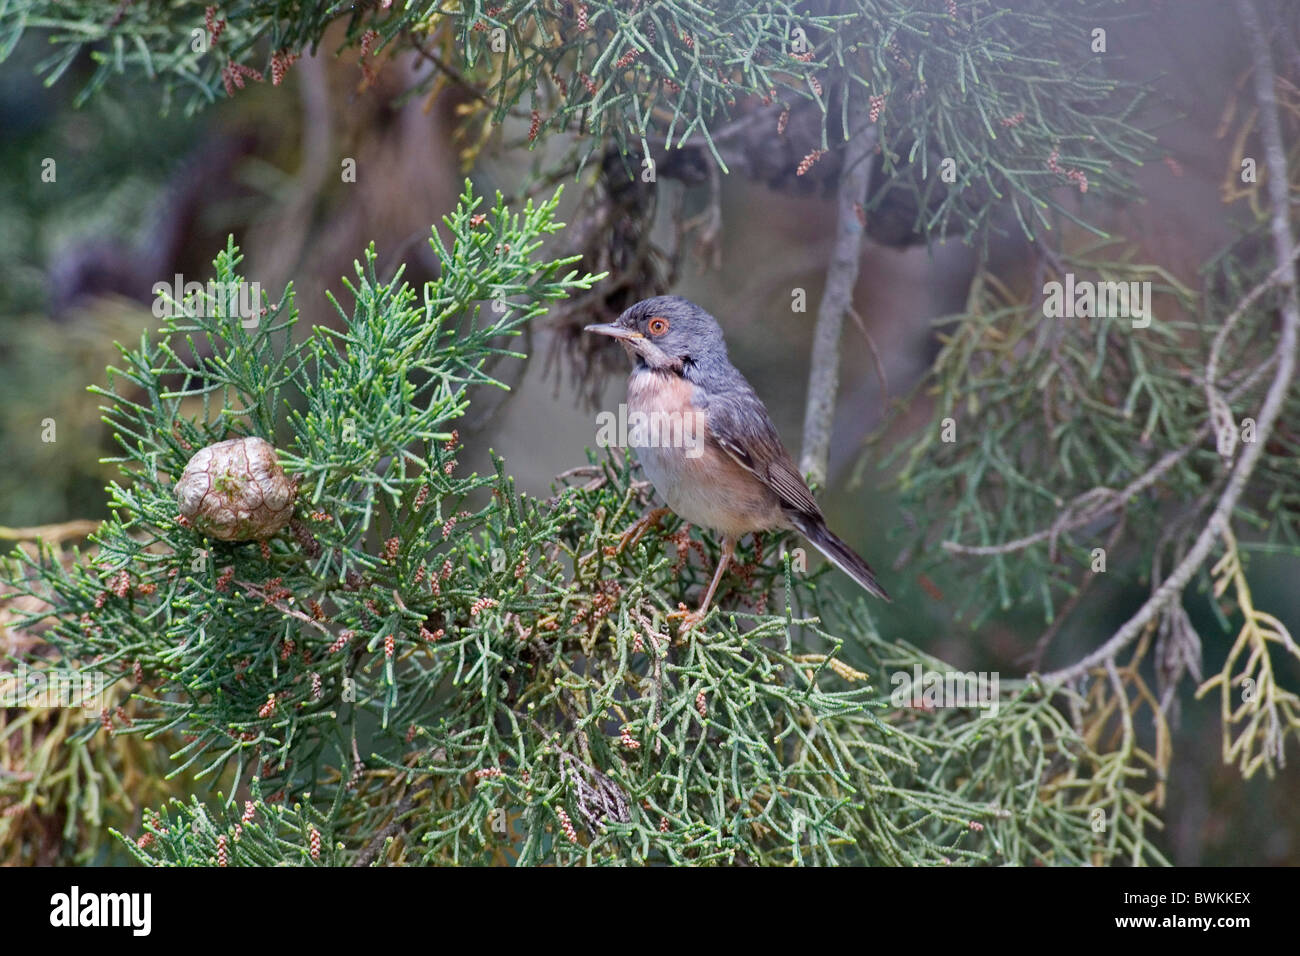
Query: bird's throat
[647,355]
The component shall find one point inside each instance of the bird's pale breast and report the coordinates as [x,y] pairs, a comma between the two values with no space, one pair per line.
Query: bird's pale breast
[704,484]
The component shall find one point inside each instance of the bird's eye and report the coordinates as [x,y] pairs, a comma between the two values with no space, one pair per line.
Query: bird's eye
[657,325]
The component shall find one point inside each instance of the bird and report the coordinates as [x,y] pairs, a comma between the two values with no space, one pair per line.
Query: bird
[724,467]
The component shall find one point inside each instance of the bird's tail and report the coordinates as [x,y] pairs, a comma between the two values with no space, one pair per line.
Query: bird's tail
[837,552]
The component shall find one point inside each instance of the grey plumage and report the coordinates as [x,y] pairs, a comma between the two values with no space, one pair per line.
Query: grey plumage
[693,347]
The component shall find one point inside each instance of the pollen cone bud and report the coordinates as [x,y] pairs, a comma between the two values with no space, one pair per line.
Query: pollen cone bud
[236,491]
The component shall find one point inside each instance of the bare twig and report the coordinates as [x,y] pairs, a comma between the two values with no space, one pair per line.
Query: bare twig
[841,276]
[396,825]
[258,590]
[51,533]
[1084,509]
[875,354]
[1284,252]
[598,797]
[1039,651]
[1220,412]
[461,80]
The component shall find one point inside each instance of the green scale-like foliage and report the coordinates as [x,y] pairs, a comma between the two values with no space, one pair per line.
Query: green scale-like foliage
[981,109]
[1042,424]
[475,675]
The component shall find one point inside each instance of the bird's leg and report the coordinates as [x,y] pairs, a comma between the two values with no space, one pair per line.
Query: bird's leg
[691,618]
[643,524]
[728,549]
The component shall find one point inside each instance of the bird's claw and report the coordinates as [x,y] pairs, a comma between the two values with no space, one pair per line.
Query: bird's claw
[637,531]
[688,618]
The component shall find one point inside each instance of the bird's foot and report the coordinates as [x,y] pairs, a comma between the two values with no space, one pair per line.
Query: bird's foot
[688,618]
[637,531]
[691,618]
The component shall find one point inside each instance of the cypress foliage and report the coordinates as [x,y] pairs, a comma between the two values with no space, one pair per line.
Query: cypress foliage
[427,667]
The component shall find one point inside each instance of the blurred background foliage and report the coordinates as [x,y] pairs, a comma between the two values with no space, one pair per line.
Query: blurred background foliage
[150,185]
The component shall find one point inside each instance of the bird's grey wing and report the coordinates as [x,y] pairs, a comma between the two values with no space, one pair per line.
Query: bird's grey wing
[739,424]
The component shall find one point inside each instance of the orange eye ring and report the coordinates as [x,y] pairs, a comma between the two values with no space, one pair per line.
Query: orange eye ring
[657,325]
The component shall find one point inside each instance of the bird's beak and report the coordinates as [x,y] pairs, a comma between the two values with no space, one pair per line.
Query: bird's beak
[635,343]
[614,330]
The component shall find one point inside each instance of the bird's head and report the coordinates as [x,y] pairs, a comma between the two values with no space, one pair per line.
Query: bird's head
[667,332]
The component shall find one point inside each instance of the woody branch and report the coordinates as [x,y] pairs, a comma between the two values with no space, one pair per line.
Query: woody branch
[836,302]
